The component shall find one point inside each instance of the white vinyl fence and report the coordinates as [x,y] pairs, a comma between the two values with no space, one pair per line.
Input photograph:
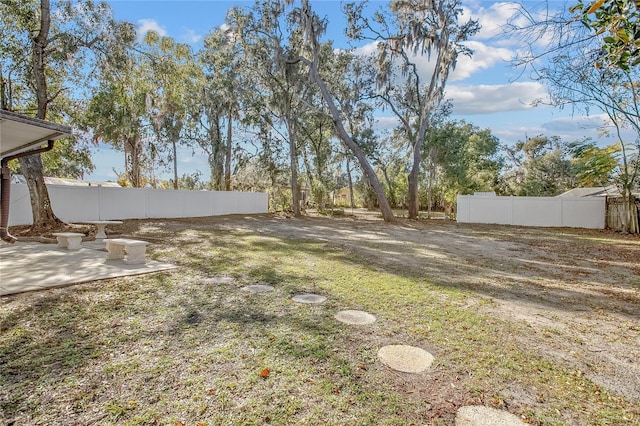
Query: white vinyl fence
[574,212]
[82,203]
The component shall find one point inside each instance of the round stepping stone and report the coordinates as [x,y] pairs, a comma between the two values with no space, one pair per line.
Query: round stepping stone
[405,358]
[477,415]
[308,298]
[355,317]
[258,288]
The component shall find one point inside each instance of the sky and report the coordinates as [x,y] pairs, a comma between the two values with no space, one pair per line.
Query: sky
[485,89]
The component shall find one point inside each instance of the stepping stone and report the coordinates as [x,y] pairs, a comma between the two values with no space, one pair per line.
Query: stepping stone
[355,317]
[218,279]
[405,358]
[308,298]
[258,288]
[477,415]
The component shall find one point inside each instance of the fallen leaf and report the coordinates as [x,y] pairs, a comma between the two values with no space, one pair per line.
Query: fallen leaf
[265,373]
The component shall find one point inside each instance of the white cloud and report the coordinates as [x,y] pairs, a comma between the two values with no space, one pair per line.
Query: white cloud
[484,57]
[598,126]
[190,37]
[568,128]
[146,25]
[572,124]
[367,49]
[492,19]
[486,99]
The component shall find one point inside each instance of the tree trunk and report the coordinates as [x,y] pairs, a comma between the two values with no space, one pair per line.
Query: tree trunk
[351,197]
[392,195]
[133,167]
[293,156]
[412,180]
[31,166]
[38,56]
[43,216]
[227,158]
[217,165]
[414,203]
[385,208]
[175,165]
[430,186]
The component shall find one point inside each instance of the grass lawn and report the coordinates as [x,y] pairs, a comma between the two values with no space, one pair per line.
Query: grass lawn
[189,347]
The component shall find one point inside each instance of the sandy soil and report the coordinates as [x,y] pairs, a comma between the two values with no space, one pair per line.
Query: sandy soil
[577,290]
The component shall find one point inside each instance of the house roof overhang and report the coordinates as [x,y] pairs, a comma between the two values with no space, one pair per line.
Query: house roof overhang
[19,133]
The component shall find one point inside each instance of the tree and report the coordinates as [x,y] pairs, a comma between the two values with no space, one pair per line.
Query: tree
[36,72]
[587,68]
[172,69]
[312,28]
[116,115]
[465,159]
[414,29]
[540,166]
[267,49]
[592,165]
[226,89]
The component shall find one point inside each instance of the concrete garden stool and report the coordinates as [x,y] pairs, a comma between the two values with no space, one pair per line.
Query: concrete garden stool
[134,249]
[69,240]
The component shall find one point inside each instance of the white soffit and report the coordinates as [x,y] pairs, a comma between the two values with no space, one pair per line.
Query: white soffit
[19,133]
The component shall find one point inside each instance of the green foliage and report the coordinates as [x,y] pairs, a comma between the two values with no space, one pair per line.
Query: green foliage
[463,159]
[593,166]
[540,166]
[191,181]
[67,160]
[280,199]
[544,166]
[617,22]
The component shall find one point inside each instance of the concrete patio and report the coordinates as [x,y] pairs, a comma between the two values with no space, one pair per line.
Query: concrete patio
[29,266]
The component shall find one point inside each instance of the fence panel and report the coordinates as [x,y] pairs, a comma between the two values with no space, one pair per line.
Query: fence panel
[163,203]
[20,211]
[576,212]
[197,203]
[122,203]
[536,211]
[74,203]
[223,204]
[82,203]
[616,212]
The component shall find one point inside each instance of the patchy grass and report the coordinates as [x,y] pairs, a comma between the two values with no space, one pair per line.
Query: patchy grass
[187,346]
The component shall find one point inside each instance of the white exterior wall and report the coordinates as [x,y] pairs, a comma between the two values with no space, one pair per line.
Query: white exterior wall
[573,212]
[82,203]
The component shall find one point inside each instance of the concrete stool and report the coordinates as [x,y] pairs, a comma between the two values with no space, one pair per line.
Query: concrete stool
[135,250]
[69,240]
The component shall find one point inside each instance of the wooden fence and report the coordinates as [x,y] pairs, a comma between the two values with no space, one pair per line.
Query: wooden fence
[616,211]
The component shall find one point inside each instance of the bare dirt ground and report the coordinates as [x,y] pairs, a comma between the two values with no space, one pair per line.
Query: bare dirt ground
[577,290]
